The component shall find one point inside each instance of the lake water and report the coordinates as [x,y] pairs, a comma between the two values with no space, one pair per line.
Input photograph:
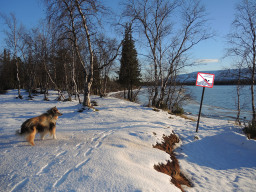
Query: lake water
[219,102]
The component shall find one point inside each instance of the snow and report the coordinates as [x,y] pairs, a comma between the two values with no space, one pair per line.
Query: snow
[111,149]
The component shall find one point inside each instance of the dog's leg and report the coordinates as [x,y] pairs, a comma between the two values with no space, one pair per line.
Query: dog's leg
[53,132]
[31,137]
[43,134]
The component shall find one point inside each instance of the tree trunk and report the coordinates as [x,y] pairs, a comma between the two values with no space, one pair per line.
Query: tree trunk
[130,94]
[238,96]
[18,78]
[160,102]
[252,90]
[74,85]
[89,78]
[87,88]
[253,72]
[132,99]
[155,95]
[75,43]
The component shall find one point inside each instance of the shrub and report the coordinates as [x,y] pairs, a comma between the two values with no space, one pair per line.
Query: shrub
[250,130]
[177,110]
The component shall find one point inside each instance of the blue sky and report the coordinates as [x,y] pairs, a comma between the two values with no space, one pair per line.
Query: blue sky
[220,12]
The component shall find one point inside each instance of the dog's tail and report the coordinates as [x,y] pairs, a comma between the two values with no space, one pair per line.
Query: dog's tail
[24,128]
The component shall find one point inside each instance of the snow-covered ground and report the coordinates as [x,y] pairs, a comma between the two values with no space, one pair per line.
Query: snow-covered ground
[111,149]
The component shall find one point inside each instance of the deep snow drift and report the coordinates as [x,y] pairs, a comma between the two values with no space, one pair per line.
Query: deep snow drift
[111,149]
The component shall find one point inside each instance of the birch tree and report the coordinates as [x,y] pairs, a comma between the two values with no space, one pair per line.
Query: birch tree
[107,50]
[12,41]
[242,41]
[89,6]
[171,29]
[83,17]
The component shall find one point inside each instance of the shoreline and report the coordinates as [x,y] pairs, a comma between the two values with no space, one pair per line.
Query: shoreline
[208,111]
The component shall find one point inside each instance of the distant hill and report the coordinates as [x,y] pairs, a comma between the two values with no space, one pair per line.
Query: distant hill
[222,77]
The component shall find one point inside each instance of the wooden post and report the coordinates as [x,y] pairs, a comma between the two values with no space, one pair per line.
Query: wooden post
[202,98]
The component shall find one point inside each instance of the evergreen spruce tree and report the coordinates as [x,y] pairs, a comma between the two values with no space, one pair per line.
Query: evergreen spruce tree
[129,74]
[8,72]
[96,86]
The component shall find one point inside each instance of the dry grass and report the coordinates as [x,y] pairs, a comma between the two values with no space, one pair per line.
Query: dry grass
[188,118]
[171,168]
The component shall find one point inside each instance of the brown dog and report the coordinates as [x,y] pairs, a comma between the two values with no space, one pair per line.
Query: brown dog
[43,124]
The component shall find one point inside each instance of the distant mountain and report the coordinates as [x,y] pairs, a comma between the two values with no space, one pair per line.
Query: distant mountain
[229,76]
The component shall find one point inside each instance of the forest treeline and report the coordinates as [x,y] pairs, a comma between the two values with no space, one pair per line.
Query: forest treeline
[59,72]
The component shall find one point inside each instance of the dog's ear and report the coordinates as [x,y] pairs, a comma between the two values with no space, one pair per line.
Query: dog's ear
[54,109]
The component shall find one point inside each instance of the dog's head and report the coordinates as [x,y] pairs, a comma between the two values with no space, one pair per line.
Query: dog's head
[55,111]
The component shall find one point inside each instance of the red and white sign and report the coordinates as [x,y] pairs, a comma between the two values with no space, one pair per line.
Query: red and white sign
[205,80]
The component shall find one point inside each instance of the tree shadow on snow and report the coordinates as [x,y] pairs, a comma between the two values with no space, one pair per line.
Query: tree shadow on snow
[228,150]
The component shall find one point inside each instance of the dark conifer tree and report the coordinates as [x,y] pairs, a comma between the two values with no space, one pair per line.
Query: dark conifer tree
[8,72]
[96,86]
[129,74]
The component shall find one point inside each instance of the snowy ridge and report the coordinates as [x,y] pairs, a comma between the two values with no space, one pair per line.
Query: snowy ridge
[111,149]
[224,76]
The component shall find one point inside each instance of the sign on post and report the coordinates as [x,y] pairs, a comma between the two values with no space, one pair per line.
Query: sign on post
[203,80]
